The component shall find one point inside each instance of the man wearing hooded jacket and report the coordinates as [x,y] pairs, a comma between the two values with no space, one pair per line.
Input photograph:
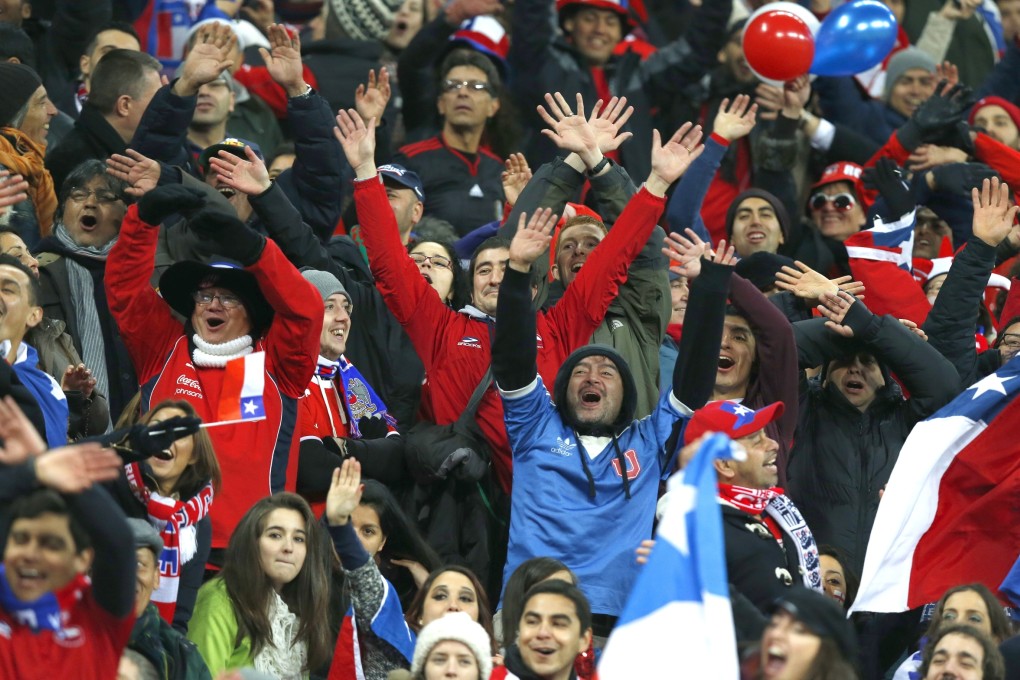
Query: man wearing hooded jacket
[586,475]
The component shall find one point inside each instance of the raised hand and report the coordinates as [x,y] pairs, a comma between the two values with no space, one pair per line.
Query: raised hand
[948,72]
[21,441]
[532,238]
[140,172]
[769,100]
[207,58]
[806,283]
[371,100]
[994,213]
[75,468]
[12,190]
[671,160]
[914,328]
[167,200]
[78,379]
[419,573]
[344,493]
[570,131]
[357,140]
[686,252]
[607,121]
[247,176]
[886,177]
[515,177]
[723,255]
[283,60]
[834,309]
[735,120]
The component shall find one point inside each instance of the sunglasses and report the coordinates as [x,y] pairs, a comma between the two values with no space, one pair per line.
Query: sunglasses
[471,85]
[841,202]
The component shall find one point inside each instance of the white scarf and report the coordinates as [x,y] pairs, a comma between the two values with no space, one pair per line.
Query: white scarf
[216,355]
[284,656]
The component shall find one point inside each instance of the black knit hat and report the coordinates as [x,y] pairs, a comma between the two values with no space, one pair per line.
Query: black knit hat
[761,268]
[629,386]
[777,205]
[18,83]
[822,616]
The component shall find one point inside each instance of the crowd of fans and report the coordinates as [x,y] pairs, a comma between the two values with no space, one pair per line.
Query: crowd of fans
[364,332]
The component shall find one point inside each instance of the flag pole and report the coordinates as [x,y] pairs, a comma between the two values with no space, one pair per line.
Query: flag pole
[231,422]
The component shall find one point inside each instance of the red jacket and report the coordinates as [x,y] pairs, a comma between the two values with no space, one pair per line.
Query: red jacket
[256,458]
[455,347]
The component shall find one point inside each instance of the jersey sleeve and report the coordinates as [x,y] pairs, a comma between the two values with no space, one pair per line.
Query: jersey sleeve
[525,410]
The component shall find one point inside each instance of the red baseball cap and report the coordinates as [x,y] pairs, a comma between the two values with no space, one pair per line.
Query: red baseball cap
[731,418]
[844,171]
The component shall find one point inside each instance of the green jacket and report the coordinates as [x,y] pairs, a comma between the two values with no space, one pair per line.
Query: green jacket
[213,629]
[173,655]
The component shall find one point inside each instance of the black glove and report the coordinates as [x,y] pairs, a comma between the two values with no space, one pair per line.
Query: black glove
[231,236]
[957,136]
[936,115]
[887,179]
[162,202]
[960,178]
[372,427]
[139,441]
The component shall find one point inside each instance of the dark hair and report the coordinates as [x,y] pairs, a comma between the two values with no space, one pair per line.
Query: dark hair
[503,131]
[249,588]
[206,467]
[830,664]
[563,589]
[417,606]
[119,73]
[16,44]
[34,289]
[852,580]
[528,574]
[121,26]
[284,149]
[403,540]
[993,667]
[84,173]
[1000,625]
[468,57]
[488,244]
[43,501]
[458,289]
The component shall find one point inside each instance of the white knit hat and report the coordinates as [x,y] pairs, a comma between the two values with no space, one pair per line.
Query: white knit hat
[456,626]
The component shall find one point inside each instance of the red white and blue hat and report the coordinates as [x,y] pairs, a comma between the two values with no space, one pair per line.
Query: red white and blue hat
[484,34]
[621,7]
[731,418]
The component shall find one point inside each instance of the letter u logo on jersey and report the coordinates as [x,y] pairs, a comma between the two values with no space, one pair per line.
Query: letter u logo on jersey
[633,465]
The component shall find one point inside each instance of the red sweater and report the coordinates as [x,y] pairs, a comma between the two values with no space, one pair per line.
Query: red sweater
[455,347]
[256,458]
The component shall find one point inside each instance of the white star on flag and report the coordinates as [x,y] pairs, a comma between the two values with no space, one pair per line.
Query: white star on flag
[249,407]
[991,383]
[742,410]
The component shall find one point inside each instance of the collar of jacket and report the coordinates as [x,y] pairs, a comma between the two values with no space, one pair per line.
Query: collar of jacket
[515,664]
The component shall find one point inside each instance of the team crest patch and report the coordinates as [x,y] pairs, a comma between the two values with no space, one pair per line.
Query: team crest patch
[633,465]
[469,341]
[359,400]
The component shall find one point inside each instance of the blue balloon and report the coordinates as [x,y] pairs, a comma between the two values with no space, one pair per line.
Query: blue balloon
[854,37]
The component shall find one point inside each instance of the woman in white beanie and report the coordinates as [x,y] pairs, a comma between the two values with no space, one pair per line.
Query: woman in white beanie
[453,646]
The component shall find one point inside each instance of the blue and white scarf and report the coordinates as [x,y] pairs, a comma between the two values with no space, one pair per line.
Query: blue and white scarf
[49,612]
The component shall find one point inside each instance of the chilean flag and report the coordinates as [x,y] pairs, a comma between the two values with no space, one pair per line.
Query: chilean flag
[243,385]
[949,514]
[388,625]
[882,259]
[682,594]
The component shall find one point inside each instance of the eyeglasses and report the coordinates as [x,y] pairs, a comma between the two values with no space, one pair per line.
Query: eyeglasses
[437,261]
[1010,341]
[82,195]
[204,297]
[841,202]
[472,85]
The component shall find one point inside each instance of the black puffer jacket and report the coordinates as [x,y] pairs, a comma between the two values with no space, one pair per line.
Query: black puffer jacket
[842,457]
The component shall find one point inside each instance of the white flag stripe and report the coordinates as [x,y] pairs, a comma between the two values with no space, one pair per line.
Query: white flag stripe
[254,375]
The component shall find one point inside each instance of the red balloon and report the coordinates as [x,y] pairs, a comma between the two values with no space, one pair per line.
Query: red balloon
[778,45]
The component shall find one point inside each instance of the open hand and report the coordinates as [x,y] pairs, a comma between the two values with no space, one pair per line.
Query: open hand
[686,252]
[806,283]
[140,172]
[532,238]
[344,493]
[247,176]
[357,140]
[13,190]
[207,58]
[283,59]
[569,131]
[834,309]
[370,100]
[671,160]
[735,120]
[78,379]
[75,468]
[994,213]
[928,156]
[515,177]
[21,441]
[607,121]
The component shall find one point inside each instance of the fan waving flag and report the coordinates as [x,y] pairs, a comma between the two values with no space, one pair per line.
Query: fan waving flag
[388,625]
[682,593]
[949,514]
[244,381]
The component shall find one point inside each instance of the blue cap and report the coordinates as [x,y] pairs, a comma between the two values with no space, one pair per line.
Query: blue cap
[403,177]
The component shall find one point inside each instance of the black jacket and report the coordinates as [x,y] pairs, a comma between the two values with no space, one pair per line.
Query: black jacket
[174,656]
[842,457]
[756,565]
[92,137]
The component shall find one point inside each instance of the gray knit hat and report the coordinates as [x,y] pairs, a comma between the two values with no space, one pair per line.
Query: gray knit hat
[903,61]
[18,83]
[364,19]
[459,627]
[146,536]
[325,283]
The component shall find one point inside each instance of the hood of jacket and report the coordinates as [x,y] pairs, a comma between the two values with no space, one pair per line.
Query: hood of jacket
[627,405]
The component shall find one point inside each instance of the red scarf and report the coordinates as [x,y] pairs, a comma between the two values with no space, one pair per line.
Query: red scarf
[751,501]
[170,517]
